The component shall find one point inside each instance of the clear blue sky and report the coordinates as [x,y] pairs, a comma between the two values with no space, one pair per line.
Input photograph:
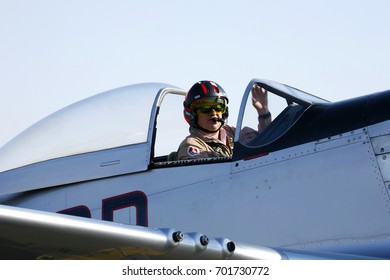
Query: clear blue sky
[54,53]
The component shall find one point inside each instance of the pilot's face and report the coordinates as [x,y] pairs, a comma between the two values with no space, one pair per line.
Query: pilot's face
[209,112]
[210,122]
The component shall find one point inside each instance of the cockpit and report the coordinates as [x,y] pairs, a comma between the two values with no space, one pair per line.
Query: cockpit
[129,129]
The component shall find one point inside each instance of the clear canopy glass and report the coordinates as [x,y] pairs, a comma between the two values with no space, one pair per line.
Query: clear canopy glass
[111,119]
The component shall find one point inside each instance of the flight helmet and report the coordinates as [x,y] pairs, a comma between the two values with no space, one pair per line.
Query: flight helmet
[204,91]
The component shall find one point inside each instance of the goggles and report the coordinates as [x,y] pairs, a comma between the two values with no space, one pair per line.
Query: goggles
[204,108]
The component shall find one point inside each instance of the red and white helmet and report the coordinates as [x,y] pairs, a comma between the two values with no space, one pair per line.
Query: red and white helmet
[200,91]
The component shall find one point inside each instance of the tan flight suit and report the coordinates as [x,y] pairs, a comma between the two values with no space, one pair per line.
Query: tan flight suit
[197,145]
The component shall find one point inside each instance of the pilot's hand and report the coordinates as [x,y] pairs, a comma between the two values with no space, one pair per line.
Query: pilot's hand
[260,99]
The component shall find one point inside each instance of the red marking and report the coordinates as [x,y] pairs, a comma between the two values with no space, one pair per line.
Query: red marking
[135,199]
[215,87]
[204,89]
[256,156]
[80,211]
[192,151]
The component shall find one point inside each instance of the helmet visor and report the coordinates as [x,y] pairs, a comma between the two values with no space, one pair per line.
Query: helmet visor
[205,106]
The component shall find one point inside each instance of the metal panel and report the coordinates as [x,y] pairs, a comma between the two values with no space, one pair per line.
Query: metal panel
[384,166]
[381,144]
[352,137]
[381,147]
[316,188]
[75,169]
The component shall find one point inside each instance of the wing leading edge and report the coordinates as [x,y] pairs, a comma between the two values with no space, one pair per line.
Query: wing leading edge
[31,234]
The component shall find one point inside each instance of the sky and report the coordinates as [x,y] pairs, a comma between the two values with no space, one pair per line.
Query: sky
[54,53]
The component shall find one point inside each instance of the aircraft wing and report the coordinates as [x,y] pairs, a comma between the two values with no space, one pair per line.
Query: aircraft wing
[31,234]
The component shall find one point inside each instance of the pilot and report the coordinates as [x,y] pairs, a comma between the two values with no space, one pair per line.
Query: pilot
[206,111]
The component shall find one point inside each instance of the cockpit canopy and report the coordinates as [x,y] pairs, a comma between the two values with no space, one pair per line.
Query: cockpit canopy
[111,119]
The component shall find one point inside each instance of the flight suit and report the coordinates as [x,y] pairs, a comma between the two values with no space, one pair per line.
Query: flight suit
[197,145]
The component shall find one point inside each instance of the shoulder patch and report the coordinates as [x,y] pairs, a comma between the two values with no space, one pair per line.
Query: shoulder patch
[192,151]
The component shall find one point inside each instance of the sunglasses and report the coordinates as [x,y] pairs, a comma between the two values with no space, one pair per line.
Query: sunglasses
[205,110]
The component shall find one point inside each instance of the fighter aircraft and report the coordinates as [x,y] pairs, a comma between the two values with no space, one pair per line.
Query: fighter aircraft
[96,180]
